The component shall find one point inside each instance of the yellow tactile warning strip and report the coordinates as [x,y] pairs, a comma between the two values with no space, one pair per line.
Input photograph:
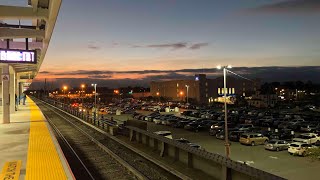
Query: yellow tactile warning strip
[11,170]
[43,161]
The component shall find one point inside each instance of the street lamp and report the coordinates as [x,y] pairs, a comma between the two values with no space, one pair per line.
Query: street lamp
[95,97]
[158,94]
[227,145]
[187,86]
[64,92]
[82,86]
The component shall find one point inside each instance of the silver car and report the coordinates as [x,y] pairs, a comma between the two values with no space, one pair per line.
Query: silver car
[276,145]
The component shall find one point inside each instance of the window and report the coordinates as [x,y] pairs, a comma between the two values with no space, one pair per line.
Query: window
[233,92]
[219,92]
[229,90]
[177,84]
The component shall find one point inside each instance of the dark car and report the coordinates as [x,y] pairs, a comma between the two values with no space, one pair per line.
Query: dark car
[235,135]
[181,124]
[194,126]
[283,135]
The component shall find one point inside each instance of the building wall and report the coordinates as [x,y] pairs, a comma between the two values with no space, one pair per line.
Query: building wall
[175,89]
[203,90]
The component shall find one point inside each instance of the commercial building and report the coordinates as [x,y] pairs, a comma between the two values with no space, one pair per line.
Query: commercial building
[260,100]
[203,90]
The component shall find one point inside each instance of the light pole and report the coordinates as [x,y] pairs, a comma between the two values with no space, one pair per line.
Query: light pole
[82,86]
[158,94]
[227,145]
[95,97]
[64,93]
[187,86]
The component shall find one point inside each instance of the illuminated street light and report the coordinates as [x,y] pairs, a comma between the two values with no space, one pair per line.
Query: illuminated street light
[227,145]
[82,86]
[187,86]
[95,97]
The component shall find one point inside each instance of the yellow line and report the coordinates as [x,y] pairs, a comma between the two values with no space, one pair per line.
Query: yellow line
[43,161]
[11,170]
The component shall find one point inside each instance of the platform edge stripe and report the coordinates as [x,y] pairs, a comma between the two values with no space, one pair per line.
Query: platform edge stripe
[16,171]
[43,161]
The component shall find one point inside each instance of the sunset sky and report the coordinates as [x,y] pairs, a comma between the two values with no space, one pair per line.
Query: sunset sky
[120,39]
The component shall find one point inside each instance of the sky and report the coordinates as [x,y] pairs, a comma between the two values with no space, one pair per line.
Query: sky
[120,42]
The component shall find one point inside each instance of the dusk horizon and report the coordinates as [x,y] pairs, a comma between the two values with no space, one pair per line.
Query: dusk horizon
[116,79]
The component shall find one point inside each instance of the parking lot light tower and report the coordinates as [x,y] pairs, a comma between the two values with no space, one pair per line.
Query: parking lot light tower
[187,86]
[95,97]
[227,145]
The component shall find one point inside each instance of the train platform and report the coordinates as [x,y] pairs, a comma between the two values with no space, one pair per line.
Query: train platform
[29,149]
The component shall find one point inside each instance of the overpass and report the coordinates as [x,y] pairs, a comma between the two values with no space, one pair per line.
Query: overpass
[29,40]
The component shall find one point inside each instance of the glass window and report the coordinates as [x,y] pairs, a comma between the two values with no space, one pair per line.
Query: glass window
[219,92]
[233,92]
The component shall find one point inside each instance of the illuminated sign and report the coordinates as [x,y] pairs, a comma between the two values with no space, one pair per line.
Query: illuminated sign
[18,56]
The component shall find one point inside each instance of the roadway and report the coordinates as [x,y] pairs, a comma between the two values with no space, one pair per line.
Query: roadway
[279,163]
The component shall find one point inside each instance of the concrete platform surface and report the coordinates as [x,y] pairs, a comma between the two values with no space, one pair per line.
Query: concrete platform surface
[16,143]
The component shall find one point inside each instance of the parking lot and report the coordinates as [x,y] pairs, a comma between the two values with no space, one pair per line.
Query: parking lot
[279,163]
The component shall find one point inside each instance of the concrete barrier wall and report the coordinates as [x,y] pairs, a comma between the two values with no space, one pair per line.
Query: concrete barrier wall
[215,165]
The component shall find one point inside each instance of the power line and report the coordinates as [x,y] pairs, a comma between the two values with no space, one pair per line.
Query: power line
[239,75]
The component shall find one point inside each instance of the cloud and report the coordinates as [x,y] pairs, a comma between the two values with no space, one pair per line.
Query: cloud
[289,6]
[93,47]
[198,45]
[99,76]
[45,72]
[172,45]
[115,79]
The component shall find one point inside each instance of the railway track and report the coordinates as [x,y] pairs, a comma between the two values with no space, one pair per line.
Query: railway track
[92,155]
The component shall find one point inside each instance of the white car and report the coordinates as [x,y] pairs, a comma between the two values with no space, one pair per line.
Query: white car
[309,138]
[157,120]
[166,134]
[299,148]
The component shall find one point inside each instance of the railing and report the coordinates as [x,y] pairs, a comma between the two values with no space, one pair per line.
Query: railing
[111,126]
[216,165]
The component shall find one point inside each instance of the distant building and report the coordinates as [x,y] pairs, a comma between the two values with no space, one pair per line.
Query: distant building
[140,95]
[201,89]
[262,100]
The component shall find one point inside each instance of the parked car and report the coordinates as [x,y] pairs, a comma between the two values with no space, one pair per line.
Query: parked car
[183,140]
[276,145]
[194,126]
[253,139]
[197,146]
[181,123]
[166,134]
[235,135]
[309,138]
[220,135]
[298,148]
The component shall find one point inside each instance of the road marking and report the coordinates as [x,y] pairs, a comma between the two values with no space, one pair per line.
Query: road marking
[11,170]
[273,157]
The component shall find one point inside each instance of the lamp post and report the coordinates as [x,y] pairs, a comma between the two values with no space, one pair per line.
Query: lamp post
[181,95]
[227,145]
[95,97]
[64,93]
[158,94]
[82,86]
[187,86]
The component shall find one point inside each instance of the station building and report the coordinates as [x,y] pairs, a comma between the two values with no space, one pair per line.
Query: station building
[203,90]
